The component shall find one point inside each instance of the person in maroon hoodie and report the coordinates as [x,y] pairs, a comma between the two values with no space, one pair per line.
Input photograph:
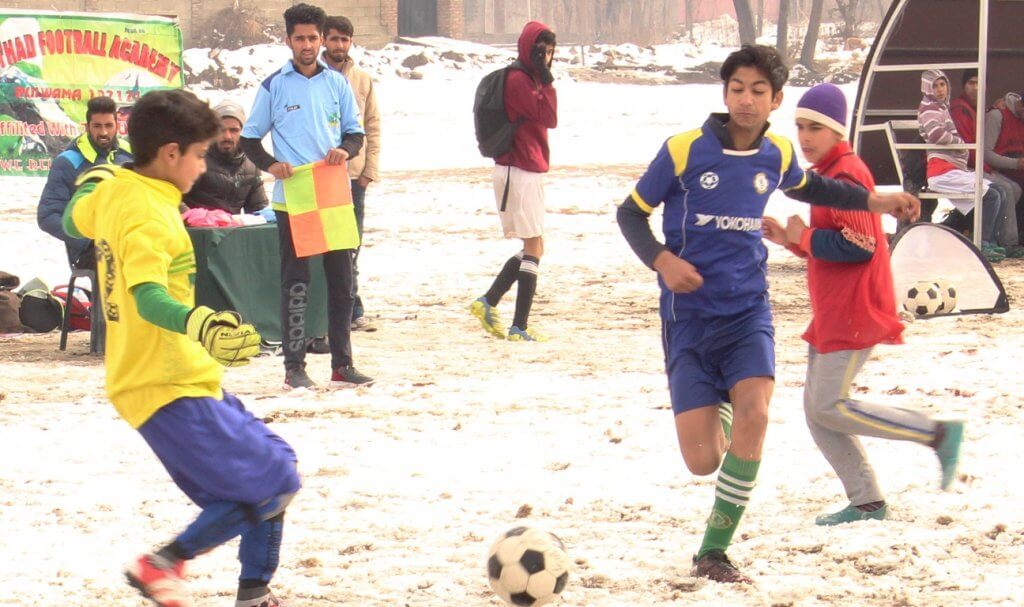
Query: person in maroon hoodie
[853,309]
[518,177]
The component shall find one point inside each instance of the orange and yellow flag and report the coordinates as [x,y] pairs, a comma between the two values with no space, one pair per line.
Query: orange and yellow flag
[318,198]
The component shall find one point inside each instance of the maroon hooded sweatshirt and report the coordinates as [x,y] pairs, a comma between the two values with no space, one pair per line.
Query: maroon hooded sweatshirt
[535,103]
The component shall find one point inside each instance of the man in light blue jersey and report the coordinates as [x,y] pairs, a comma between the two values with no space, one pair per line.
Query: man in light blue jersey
[311,115]
[716,321]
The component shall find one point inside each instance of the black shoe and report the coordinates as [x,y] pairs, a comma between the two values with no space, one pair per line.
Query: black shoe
[297,378]
[317,345]
[717,567]
[346,377]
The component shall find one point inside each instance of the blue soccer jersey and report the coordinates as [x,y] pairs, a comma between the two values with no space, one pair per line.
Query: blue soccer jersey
[714,199]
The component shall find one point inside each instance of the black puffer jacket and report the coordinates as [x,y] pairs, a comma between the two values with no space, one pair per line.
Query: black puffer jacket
[231,182]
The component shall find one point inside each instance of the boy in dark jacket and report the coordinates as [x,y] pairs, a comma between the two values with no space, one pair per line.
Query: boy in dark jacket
[518,177]
[231,181]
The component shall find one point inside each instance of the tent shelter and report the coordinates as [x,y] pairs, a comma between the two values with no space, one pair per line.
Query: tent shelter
[951,35]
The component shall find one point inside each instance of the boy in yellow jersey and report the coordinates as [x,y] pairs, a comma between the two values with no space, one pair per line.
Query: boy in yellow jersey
[164,354]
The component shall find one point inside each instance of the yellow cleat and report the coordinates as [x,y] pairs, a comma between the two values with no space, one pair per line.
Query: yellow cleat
[527,334]
[488,317]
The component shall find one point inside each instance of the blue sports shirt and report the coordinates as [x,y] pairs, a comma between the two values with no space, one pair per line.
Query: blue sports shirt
[714,199]
[305,117]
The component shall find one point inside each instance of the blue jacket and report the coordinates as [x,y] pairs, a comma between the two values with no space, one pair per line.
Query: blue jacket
[79,157]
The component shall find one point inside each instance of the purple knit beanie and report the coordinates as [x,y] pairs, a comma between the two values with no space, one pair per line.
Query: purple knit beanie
[824,104]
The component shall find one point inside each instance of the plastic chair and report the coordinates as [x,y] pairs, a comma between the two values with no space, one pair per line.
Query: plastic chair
[97,324]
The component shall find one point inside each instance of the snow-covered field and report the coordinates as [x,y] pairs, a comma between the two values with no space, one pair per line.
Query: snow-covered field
[408,482]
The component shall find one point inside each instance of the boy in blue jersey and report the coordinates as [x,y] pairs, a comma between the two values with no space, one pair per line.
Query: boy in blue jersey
[311,115]
[716,320]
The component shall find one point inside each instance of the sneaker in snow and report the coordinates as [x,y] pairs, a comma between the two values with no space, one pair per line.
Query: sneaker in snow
[851,514]
[297,378]
[527,334]
[488,317]
[947,447]
[717,567]
[363,324]
[347,377]
[258,597]
[159,580]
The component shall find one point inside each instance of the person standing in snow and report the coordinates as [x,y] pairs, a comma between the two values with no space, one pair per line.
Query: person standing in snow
[518,178]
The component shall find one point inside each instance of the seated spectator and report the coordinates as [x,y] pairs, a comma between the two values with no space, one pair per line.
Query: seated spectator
[98,145]
[947,169]
[1004,143]
[231,182]
[964,112]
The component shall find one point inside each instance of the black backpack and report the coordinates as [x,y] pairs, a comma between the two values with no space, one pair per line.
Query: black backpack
[494,131]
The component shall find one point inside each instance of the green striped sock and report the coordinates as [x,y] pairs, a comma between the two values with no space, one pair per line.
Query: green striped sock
[732,492]
[725,414]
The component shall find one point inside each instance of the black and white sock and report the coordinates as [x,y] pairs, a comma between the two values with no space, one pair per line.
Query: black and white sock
[528,269]
[504,280]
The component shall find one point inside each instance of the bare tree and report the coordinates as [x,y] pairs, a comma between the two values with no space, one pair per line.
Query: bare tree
[782,36]
[811,38]
[849,14]
[689,18]
[745,20]
[760,18]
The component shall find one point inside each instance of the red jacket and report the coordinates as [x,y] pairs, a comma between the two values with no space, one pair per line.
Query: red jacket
[852,304]
[536,103]
[1011,136]
[965,118]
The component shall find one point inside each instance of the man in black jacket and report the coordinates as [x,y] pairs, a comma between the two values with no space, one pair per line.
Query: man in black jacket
[231,181]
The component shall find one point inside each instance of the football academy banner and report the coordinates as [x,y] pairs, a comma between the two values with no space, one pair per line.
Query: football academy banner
[318,198]
[52,63]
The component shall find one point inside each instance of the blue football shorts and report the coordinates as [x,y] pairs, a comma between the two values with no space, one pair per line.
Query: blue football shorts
[706,357]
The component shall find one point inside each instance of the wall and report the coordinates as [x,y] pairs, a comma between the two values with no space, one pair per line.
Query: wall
[375,21]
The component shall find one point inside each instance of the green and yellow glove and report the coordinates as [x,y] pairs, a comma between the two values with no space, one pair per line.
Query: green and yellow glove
[228,340]
[96,174]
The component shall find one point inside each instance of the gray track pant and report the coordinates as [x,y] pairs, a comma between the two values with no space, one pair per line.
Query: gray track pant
[835,421]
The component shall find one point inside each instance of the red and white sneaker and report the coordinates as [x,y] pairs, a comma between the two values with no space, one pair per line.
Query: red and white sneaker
[159,581]
[349,377]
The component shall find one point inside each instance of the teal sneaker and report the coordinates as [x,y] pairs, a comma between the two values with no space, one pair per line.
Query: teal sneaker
[527,334]
[852,514]
[488,317]
[948,450]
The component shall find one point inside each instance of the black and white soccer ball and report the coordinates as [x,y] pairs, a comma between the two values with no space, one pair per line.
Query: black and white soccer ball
[923,298]
[947,292]
[528,567]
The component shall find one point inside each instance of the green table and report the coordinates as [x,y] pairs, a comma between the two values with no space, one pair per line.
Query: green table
[240,269]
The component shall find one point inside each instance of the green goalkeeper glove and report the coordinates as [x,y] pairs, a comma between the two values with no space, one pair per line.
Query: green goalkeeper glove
[228,340]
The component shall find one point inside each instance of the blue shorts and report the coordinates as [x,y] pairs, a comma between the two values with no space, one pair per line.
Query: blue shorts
[705,357]
[217,451]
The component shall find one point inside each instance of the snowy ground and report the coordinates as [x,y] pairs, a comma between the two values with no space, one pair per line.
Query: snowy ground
[408,482]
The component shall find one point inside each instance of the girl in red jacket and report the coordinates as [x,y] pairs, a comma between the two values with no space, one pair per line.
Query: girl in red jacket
[853,309]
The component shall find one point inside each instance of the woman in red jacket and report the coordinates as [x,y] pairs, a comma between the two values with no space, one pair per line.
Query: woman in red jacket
[853,309]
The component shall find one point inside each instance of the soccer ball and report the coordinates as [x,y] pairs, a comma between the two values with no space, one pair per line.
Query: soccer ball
[528,567]
[948,294]
[923,298]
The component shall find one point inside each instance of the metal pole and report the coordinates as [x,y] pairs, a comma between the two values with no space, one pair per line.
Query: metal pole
[529,10]
[979,154]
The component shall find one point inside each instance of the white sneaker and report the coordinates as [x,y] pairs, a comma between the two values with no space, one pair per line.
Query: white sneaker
[363,324]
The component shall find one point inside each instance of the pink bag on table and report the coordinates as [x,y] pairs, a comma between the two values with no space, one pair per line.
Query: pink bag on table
[209,218]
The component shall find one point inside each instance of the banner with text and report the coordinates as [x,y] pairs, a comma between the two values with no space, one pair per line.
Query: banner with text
[52,63]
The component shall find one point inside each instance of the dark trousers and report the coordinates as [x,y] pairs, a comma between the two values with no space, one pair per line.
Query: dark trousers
[295,295]
[358,196]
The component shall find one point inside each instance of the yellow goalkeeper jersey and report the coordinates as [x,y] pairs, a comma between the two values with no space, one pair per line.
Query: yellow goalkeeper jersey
[140,238]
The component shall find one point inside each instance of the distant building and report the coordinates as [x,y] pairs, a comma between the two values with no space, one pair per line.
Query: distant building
[573,20]
[377,22]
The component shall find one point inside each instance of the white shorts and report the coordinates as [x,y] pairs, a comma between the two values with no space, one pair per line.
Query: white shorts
[957,182]
[523,216]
